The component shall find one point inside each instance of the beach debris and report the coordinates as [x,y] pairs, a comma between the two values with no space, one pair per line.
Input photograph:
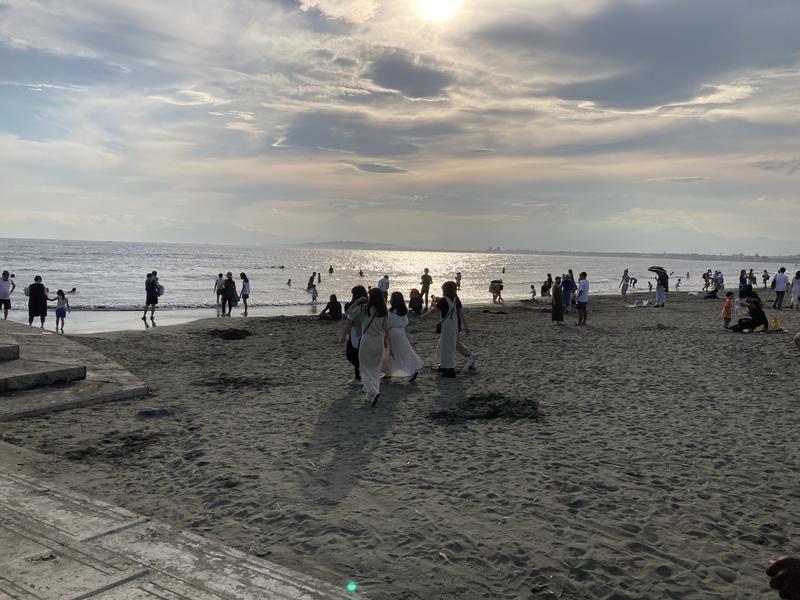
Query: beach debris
[444,557]
[229,334]
[486,407]
[154,413]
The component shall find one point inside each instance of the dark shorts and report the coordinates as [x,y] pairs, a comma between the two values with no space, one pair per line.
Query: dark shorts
[61,313]
[245,296]
[5,303]
[582,305]
[152,299]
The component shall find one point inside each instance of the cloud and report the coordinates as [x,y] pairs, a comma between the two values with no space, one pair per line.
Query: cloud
[189,98]
[376,167]
[359,133]
[355,11]
[398,70]
[678,179]
[641,54]
[790,166]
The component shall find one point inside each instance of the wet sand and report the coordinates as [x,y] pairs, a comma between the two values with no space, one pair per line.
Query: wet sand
[659,462]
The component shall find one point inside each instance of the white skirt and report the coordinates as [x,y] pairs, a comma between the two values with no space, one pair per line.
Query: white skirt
[406,362]
[370,359]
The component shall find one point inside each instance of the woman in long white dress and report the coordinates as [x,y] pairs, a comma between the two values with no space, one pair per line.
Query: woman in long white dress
[451,321]
[796,291]
[405,362]
[374,324]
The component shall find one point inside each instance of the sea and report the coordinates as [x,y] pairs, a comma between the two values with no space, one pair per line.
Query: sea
[109,276]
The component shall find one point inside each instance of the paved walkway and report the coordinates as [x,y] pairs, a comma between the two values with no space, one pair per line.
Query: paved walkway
[56,544]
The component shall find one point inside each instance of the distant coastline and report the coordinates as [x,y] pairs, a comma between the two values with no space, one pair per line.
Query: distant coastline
[793,258]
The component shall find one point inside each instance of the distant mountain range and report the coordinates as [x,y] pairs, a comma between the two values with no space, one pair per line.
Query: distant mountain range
[795,258]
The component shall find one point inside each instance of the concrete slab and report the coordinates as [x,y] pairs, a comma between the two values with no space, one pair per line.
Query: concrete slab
[60,511]
[27,374]
[57,544]
[9,351]
[41,401]
[214,567]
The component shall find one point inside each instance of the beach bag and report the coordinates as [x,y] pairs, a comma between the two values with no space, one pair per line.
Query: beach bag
[160,290]
[772,285]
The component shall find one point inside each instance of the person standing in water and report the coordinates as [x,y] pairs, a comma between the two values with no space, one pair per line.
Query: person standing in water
[62,308]
[37,301]
[151,295]
[229,295]
[458,281]
[624,285]
[375,339]
[425,282]
[311,280]
[219,284]
[330,270]
[245,291]
[7,287]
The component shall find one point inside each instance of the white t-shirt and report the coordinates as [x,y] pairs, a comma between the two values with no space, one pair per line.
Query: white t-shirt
[781,279]
[245,288]
[383,284]
[219,284]
[396,321]
[5,289]
[583,290]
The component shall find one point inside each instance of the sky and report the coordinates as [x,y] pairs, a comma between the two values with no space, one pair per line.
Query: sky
[606,125]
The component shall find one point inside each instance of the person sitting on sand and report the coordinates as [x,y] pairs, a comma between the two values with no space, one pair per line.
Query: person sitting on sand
[757,317]
[415,301]
[332,310]
[784,576]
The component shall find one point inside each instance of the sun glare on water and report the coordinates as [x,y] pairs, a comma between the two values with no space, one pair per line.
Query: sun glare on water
[438,10]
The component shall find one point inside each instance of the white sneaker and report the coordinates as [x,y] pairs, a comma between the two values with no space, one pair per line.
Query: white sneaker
[471,360]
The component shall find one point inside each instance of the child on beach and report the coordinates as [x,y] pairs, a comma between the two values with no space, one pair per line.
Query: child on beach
[62,308]
[727,309]
[314,294]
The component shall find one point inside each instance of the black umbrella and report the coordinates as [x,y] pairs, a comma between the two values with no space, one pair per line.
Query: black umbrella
[658,270]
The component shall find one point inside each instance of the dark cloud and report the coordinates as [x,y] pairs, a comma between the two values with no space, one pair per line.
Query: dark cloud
[790,167]
[357,133]
[398,70]
[663,51]
[376,168]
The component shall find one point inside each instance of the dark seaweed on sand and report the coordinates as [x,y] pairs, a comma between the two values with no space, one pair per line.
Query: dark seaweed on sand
[489,406]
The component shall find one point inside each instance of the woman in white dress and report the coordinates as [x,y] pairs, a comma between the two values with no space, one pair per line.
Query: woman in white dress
[373,319]
[451,321]
[796,291]
[406,362]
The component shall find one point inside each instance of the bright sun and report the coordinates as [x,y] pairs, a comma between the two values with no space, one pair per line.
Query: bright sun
[438,10]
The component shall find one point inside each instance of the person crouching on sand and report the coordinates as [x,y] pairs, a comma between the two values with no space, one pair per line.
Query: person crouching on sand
[451,320]
[374,321]
[406,362]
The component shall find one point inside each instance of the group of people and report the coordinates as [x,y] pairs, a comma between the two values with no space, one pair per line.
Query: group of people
[38,298]
[375,333]
[228,296]
[565,294]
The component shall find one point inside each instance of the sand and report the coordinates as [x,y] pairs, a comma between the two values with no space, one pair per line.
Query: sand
[660,461]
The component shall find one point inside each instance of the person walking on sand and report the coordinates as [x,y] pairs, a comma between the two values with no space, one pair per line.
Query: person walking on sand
[582,298]
[405,362]
[557,302]
[7,287]
[245,291]
[781,281]
[37,301]
[626,279]
[219,284]
[151,295]
[425,285]
[358,299]
[62,308]
[765,278]
[375,340]
[451,321]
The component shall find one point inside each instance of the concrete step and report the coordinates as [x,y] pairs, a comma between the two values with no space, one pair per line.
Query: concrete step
[26,374]
[8,351]
[65,396]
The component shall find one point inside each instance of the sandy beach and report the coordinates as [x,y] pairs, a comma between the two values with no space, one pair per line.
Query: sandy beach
[647,455]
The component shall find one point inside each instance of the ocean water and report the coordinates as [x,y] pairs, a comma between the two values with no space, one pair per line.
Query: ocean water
[110,276]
